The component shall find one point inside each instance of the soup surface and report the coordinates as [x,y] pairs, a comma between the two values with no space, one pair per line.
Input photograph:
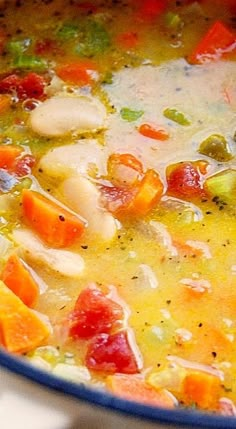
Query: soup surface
[118,195]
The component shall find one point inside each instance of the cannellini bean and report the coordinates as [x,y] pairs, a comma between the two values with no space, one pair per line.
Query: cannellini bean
[63,261]
[83,197]
[81,157]
[60,115]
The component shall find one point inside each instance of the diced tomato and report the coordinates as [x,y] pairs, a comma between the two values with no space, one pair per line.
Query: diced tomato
[111,353]
[24,165]
[47,47]
[94,313]
[117,199]
[150,9]
[217,41]
[153,132]
[127,40]
[124,169]
[10,84]
[184,180]
[78,73]
[30,86]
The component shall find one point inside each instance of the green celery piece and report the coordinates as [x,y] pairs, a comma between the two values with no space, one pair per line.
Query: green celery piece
[130,115]
[223,185]
[176,116]
[216,147]
[18,47]
[68,31]
[172,20]
[30,62]
[93,39]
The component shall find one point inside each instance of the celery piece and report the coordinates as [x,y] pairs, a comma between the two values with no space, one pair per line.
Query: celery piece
[30,62]
[176,116]
[222,185]
[67,31]
[216,147]
[17,47]
[130,115]
[172,20]
[93,39]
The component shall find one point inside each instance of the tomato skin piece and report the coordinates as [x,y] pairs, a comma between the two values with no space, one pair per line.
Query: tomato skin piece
[111,354]
[184,180]
[94,313]
[9,84]
[216,42]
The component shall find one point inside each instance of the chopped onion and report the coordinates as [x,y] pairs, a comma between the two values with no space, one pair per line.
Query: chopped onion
[196,366]
[74,373]
[227,407]
[200,286]
[160,231]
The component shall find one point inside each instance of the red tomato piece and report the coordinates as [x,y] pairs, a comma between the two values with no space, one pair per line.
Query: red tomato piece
[94,313]
[128,40]
[31,86]
[184,180]
[24,165]
[9,84]
[151,9]
[111,353]
[217,41]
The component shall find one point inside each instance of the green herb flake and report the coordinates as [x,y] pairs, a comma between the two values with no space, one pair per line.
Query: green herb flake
[30,62]
[67,31]
[176,116]
[130,115]
[93,39]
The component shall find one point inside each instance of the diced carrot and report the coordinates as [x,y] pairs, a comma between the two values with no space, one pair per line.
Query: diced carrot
[149,193]
[8,156]
[217,41]
[5,102]
[135,389]
[54,224]
[16,276]
[153,132]
[202,389]
[78,73]
[21,329]
[128,40]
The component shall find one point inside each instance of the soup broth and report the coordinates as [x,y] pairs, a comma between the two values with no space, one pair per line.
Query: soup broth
[118,195]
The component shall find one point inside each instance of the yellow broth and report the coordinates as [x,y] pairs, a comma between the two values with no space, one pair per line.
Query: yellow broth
[155,262]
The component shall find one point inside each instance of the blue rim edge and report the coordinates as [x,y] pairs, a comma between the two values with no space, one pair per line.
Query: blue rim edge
[106,400]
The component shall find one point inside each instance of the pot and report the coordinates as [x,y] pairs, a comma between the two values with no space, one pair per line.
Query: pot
[34,399]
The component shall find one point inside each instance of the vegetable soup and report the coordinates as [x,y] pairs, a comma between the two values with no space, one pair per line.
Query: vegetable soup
[118,195]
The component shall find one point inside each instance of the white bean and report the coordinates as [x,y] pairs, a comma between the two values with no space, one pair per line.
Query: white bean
[63,114]
[81,157]
[83,197]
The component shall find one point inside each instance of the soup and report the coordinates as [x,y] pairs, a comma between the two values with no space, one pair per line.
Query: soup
[118,196]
